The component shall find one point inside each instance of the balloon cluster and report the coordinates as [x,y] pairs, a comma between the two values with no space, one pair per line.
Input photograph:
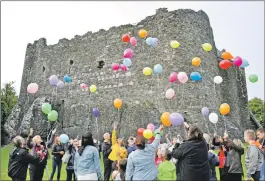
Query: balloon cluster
[52,115]
[150,131]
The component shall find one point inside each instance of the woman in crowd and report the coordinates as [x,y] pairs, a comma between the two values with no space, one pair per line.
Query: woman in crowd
[87,161]
[36,144]
[192,157]
[167,170]
[57,152]
[72,149]
[140,165]
[121,170]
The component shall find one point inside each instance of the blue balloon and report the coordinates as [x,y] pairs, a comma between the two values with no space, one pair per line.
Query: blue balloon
[244,63]
[158,68]
[155,42]
[127,62]
[67,79]
[149,41]
[64,138]
[195,76]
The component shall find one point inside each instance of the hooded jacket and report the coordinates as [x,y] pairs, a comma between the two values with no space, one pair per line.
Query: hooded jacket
[166,171]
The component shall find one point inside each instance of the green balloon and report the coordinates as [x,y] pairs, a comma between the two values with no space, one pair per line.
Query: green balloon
[53,115]
[46,108]
[156,131]
[253,78]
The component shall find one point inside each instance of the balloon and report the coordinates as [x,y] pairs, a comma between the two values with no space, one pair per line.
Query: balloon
[182,77]
[173,77]
[176,119]
[46,108]
[207,47]
[155,42]
[126,38]
[123,68]
[237,61]
[149,41]
[93,88]
[244,63]
[158,69]
[128,53]
[127,62]
[142,33]
[133,41]
[224,109]
[140,131]
[147,71]
[60,84]
[225,64]
[115,66]
[205,111]
[174,44]
[195,76]
[213,118]
[170,93]
[147,134]
[64,138]
[165,119]
[53,80]
[253,78]
[53,115]
[218,79]
[117,103]
[227,56]
[67,79]
[151,127]
[196,61]
[32,88]
[96,112]
[83,86]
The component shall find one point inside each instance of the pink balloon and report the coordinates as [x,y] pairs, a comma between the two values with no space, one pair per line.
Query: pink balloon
[237,61]
[83,86]
[115,66]
[170,93]
[182,77]
[173,77]
[133,41]
[128,53]
[151,127]
[32,88]
[124,68]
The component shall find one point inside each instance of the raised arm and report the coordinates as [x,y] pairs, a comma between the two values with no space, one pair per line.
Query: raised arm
[156,142]
[114,135]
[129,169]
[178,152]
[230,144]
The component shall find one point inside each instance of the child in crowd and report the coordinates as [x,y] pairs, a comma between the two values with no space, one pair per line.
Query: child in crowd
[120,175]
[166,169]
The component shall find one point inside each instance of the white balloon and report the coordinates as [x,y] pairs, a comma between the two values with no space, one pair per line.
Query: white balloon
[213,117]
[170,93]
[218,79]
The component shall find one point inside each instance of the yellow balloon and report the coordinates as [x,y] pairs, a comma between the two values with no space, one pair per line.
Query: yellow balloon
[93,88]
[147,71]
[147,134]
[207,47]
[174,44]
[224,109]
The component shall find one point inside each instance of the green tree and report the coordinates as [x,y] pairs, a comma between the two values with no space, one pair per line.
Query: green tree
[257,107]
[9,99]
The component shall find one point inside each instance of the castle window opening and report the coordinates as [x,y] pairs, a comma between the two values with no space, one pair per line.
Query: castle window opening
[101,64]
[71,62]
[43,69]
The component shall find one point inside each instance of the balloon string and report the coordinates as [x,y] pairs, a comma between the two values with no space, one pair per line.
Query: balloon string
[206,125]
[97,128]
[224,122]
[215,128]
[158,97]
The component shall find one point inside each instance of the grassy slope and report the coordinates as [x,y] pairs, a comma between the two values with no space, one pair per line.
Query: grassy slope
[5,157]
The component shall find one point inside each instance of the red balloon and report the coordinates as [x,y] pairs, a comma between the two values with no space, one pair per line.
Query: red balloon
[225,64]
[151,140]
[126,38]
[140,131]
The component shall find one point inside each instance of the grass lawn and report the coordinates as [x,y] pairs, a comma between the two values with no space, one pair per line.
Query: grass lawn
[5,157]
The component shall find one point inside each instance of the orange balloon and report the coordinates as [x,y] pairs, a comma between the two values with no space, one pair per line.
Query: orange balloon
[165,119]
[117,103]
[227,56]
[142,33]
[224,109]
[196,61]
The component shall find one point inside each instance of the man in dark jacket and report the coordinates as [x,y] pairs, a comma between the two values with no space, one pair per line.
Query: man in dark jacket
[19,160]
[106,149]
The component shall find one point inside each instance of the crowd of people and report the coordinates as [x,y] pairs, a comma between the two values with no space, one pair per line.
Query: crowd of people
[189,159]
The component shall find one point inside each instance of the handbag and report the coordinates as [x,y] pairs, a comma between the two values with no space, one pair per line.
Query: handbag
[66,157]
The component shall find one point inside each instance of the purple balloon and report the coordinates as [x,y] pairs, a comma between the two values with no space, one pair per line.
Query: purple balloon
[60,84]
[96,112]
[176,119]
[205,111]
[155,42]
[53,80]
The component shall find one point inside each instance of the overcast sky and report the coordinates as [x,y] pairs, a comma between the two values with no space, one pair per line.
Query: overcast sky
[237,26]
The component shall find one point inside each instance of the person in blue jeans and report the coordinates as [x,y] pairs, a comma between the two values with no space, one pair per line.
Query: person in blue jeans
[261,138]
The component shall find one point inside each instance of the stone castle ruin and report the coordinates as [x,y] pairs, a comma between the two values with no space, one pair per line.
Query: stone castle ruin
[88,58]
